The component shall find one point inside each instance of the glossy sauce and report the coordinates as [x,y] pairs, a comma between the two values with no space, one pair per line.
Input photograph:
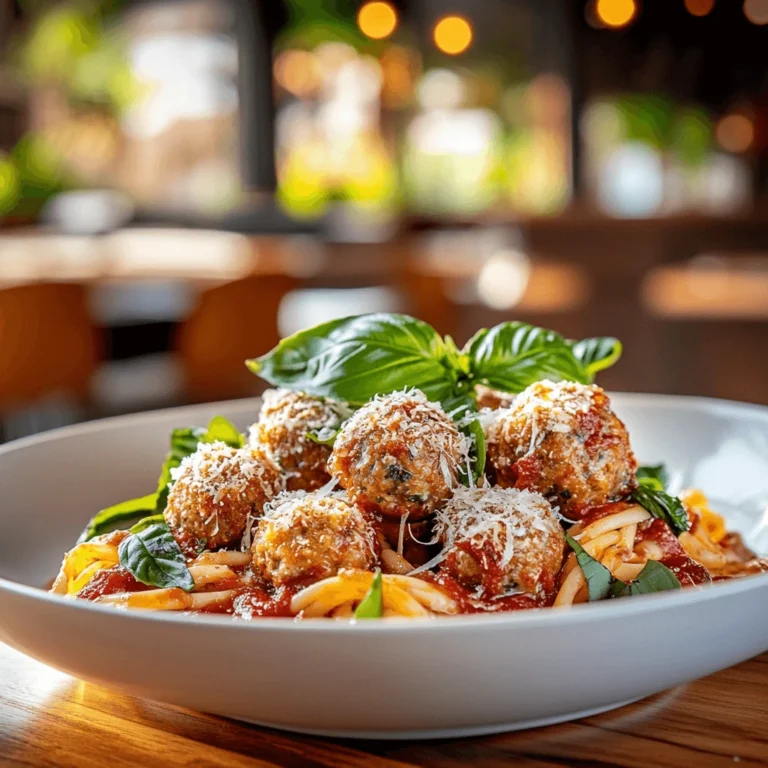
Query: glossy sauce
[111,581]
[469,602]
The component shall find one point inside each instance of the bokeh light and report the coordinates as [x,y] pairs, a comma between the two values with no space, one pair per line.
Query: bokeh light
[297,72]
[616,13]
[756,11]
[699,7]
[377,20]
[735,133]
[453,35]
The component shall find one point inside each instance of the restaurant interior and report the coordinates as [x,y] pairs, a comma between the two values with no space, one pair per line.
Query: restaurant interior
[184,182]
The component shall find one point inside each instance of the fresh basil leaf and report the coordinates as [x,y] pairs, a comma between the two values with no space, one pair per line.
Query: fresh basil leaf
[224,430]
[596,354]
[599,579]
[355,358]
[654,577]
[474,430]
[146,522]
[660,504]
[653,477]
[512,356]
[372,605]
[106,519]
[153,557]
[324,436]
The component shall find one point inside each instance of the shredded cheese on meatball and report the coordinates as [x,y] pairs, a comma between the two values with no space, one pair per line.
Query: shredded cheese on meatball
[499,515]
[216,467]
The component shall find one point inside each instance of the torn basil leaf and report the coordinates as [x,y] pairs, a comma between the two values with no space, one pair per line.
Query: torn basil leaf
[106,520]
[653,477]
[153,557]
[599,579]
[372,605]
[660,504]
[596,354]
[601,583]
[654,577]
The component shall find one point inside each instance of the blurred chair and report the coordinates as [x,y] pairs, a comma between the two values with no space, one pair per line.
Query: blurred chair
[230,324]
[49,345]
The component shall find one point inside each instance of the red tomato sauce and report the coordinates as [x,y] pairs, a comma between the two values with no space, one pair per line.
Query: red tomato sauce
[469,602]
[111,581]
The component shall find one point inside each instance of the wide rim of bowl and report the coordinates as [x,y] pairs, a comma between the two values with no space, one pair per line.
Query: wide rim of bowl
[577,614]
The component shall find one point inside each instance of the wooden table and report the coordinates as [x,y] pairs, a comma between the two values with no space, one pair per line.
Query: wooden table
[49,719]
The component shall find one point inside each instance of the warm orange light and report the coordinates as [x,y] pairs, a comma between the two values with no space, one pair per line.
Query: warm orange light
[296,71]
[735,133]
[756,11]
[699,7]
[377,20]
[453,35]
[616,13]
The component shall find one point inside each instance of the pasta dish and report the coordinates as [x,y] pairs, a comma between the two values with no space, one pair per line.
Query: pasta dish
[391,474]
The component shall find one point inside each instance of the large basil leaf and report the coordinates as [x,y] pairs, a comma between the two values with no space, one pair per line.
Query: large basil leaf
[372,605]
[599,579]
[153,557]
[653,477]
[355,358]
[660,504]
[596,354]
[105,520]
[512,356]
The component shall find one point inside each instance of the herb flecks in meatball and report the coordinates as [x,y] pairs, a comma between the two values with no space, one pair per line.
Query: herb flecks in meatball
[501,540]
[308,537]
[215,491]
[563,441]
[284,424]
[399,455]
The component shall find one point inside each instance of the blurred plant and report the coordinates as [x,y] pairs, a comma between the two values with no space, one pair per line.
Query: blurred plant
[9,184]
[691,135]
[70,50]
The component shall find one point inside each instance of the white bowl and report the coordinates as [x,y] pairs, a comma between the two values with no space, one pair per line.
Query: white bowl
[394,679]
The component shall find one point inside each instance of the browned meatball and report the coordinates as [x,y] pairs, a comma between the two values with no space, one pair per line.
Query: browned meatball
[564,441]
[398,455]
[492,398]
[285,419]
[215,490]
[501,540]
[305,537]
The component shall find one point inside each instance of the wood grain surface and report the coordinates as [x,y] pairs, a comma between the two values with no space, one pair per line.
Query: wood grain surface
[49,719]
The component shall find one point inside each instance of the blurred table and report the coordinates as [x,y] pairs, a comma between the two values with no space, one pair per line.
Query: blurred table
[50,719]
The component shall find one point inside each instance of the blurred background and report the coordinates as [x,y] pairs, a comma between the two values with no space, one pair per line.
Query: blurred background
[182,182]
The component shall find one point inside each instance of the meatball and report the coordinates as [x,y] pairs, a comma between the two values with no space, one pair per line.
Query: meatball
[492,398]
[305,537]
[500,540]
[284,421]
[216,489]
[563,441]
[398,455]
